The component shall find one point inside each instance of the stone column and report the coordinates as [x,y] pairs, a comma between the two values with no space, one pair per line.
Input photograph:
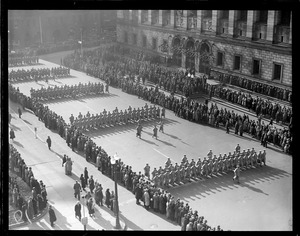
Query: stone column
[214,21]
[130,15]
[184,24]
[183,59]
[149,17]
[139,16]
[172,18]
[199,21]
[290,36]
[160,15]
[231,21]
[197,61]
[250,21]
[270,26]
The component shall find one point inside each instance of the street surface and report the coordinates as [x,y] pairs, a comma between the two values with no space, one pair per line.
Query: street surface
[263,200]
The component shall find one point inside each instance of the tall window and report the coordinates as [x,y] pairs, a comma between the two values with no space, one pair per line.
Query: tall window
[237,62]
[144,41]
[134,39]
[243,15]
[220,56]
[285,17]
[256,67]
[154,43]
[263,16]
[277,71]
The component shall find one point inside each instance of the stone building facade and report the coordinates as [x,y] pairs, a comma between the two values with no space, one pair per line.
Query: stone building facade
[256,45]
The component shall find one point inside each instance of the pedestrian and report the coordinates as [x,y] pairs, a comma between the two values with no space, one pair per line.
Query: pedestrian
[146,199]
[90,206]
[52,216]
[12,134]
[91,184]
[49,142]
[161,126]
[35,132]
[20,112]
[107,198]
[77,209]
[64,160]
[236,174]
[154,132]
[9,118]
[86,175]
[77,189]
[83,185]
[139,131]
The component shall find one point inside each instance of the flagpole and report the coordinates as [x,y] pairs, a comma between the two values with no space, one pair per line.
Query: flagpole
[81,43]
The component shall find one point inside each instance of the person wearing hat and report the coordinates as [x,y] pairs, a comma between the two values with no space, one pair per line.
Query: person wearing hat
[49,142]
[64,160]
[52,216]
[12,134]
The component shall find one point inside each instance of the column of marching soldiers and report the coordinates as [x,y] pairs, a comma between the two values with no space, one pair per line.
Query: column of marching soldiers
[172,175]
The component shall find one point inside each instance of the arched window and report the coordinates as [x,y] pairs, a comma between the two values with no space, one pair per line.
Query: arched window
[204,64]
[177,53]
[190,55]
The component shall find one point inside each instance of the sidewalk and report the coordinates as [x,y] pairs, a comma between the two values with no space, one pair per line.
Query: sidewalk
[47,166]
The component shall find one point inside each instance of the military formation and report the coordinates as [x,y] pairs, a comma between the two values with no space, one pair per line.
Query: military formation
[22,61]
[116,117]
[67,91]
[22,75]
[172,175]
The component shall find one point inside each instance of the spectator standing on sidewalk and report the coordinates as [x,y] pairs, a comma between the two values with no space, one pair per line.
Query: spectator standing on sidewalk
[77,209]
[20,112]
[12,134]
[49,142]
[52,216]
[77,189]
[86,175]
[83,185]
[91,184]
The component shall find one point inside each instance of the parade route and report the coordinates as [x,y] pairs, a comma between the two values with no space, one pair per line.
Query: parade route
[263,200]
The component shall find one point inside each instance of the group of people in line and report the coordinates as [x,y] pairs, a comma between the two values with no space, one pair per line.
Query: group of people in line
[22,60]
[260,106]
[30,206]
[116,117]
[33,74]
[212,165]
[257,87]
[67,91]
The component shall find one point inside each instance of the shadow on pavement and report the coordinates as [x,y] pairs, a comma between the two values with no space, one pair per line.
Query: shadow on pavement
[80,99]
[125,128]
[249,178]
[18,144]
[27,122]
[15,128]
[129,223]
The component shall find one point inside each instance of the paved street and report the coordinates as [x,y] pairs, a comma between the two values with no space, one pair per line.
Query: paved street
[263,200]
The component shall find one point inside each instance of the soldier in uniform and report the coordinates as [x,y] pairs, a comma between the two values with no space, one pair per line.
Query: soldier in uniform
[238,148]
[210,154]
[263,157]
[154,132]
[154,173]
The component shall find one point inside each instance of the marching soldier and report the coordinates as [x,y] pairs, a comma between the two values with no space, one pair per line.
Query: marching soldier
[147,170]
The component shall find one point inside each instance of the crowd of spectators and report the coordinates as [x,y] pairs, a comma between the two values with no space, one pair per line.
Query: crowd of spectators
[260,88]
[14,61]
[260,106]
[34,205]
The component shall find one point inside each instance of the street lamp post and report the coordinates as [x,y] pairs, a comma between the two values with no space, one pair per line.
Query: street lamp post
[113,162]
[84,220]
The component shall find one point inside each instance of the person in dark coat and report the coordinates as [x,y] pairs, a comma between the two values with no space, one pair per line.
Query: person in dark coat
[20,112]
[77,189]
[77,209]
[12,134]
[49,142]
[83,185]
[107,198]
[91,184]
[52,216]
[64,160]
[86,175]
[138,193]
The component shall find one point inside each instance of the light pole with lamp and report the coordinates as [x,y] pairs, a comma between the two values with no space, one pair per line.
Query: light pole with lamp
[84,219]
[113,161]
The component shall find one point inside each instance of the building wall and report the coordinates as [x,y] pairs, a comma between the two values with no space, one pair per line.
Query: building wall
[247,50]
